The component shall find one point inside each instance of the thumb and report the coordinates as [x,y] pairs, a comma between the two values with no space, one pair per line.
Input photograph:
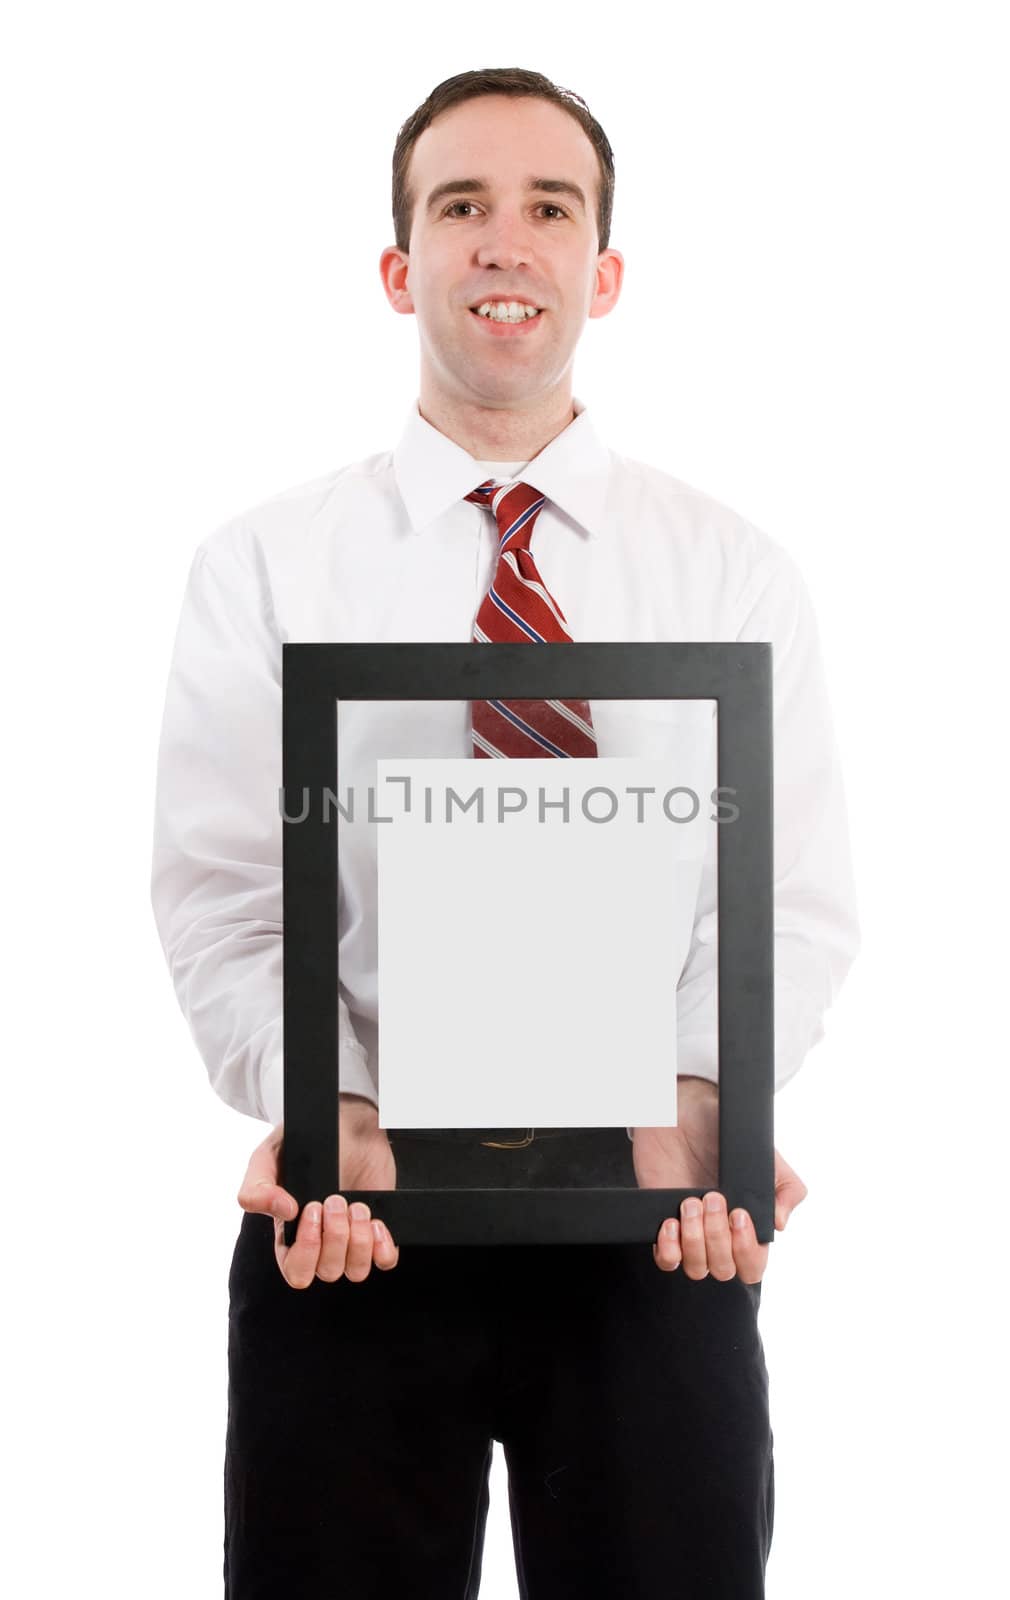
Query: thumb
[260,1191]
[790,1190]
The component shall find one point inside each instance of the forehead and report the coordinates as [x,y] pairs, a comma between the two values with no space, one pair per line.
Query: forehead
[504,138]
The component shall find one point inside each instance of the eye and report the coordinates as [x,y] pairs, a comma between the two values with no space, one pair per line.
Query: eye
[545,205]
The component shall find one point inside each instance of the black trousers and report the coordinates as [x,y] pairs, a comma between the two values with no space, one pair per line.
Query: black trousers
[631,1405]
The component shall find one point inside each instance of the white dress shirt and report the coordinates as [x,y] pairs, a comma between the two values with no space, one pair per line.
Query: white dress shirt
[389,550]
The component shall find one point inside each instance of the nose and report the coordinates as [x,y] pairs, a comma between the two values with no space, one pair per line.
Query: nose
[505,242]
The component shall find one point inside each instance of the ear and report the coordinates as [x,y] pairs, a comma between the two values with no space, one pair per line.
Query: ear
[609,278]
[393,266]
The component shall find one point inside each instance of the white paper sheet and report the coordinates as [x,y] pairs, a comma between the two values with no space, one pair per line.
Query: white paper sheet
[528,964]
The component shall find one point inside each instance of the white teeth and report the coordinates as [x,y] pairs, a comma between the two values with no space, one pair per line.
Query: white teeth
[506,311]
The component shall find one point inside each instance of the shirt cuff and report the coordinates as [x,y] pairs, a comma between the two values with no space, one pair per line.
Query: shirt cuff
[698,1056]
[272,1089]
[355,1078]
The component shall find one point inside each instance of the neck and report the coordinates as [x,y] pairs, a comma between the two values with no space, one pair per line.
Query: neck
[491,433]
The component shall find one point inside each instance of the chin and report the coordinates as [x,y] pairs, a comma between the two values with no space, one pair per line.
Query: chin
[503,391]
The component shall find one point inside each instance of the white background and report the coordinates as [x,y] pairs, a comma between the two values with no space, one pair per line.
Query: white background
[811,203]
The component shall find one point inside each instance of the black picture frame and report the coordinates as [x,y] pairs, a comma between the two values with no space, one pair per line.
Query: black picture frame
[316,677]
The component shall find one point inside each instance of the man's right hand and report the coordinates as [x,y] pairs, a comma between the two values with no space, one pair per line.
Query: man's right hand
[330,1242]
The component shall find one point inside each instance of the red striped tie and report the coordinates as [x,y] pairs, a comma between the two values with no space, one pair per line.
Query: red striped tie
[518,609]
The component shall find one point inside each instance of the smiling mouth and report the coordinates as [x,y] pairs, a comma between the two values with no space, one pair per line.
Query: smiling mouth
[511,313]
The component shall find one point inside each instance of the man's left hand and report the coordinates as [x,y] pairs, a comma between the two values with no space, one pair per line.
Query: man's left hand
[704,1238]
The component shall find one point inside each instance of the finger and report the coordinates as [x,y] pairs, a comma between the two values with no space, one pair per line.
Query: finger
[298,1261]
[336,1237]
[666,1249]
[751,1258]
[359,1251]
[692,1239]
[718,1245]
[385,1250]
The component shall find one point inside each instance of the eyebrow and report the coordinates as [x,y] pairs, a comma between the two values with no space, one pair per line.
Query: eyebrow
[481,186]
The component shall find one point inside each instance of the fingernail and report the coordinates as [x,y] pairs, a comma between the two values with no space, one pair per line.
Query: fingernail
[671,1228]
[713,1202]
[314,1212]
[739,1219]
[359,1210]
[692,1208]
[336,1205]
[379,1230]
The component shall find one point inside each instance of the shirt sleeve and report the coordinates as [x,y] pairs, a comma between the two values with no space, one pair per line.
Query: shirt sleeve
[815,912]
[216,880]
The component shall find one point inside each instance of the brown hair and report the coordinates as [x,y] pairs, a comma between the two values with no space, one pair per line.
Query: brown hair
[497,80]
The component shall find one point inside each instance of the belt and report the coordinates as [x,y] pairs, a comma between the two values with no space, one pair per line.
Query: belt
[493,1138]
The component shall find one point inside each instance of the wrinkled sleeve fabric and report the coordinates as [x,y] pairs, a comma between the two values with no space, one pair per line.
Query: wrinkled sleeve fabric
[216,879]
[815,910]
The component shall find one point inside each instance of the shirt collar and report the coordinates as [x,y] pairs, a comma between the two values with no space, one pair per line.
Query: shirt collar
[432,472]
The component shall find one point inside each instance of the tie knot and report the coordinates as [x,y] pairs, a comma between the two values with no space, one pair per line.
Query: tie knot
[516,507]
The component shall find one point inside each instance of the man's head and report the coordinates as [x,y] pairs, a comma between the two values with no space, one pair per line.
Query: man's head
[502,192]
[517,83]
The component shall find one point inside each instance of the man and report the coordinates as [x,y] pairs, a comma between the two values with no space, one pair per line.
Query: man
[631,1402]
